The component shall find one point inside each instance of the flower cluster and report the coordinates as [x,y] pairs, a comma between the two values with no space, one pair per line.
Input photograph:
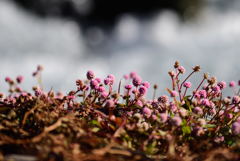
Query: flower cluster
[96,120]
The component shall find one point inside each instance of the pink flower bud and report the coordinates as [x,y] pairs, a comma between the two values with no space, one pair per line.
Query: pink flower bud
[110,103]
[90,75]
[181,69]
[198,110]
[232,84]
[222,84]
[137,81]
[163,99]
[187,84]
[19,79]
[128,86]
[147,111]
[163,117]
[236,128]
[146,84]
[142,90]
[176,121]
[173,93]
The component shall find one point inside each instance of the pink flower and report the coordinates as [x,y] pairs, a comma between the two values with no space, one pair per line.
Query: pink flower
[8,79]
[163,99]
[39,68]
[147,111]
[128,86]
[216,89]
[137,81]
[146,84]
[19,79]
[94,84]
[172,73]
[187,84]
[126,77]
[205,102]
[133,75]
[139,103]
[173,107]
[154,117]
[198,131]
[198,110]
[71,97]
[219,139]
[229,115]
[98,80]
[110,103]
[173,93]
[101,89]
[232,84]
[163,117]
[142,90]
[183,112]
[111,78]
[236,128]
[235,99]
[181,69]
[222,84]
[176,121]
[107,81]
[90,75]
[202,93]
[104,94]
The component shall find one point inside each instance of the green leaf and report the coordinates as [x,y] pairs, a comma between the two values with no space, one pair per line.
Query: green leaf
[186,130]
[95,122]
[209,125]
[95,129]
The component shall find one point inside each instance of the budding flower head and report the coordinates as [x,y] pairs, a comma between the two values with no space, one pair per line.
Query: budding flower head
[111,78]
[181,69]
[176,65]
[110,103]
[19,79]
[101,89]
[173,93]
[163,99]
[196,68]
[163,117]
[236,128]
[172,73]
[94,84]
[142,90]
[232,84]
[222,84]
[235,99]
[147,111]
[198,110]
[8,79]
[133,75]
[212,80]
[39,68]
[146,84]
[137,81]
[90,75]
[176,121]
[202,93]
[205,75]
[125,76]
[187,84]
[128,86]
[205,102]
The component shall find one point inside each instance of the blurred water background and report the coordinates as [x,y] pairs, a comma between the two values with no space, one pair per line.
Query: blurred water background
[148,45]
